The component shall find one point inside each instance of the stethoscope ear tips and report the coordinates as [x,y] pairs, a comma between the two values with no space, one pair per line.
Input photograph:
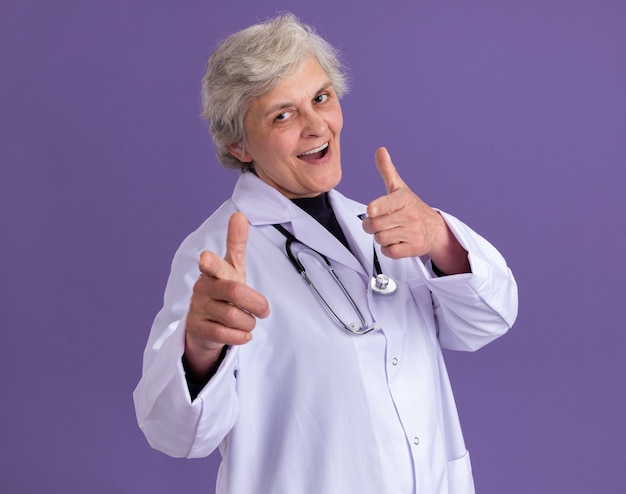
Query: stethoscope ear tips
[383,284]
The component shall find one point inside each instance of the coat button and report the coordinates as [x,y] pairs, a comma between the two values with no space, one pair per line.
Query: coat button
[416,440]
[394,361]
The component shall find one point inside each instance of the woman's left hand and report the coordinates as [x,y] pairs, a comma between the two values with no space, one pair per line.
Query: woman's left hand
[405,226]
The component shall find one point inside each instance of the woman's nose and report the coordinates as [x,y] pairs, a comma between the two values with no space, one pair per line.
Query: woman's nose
[314,124]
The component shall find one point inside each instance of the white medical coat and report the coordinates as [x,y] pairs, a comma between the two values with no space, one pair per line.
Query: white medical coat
[307,407]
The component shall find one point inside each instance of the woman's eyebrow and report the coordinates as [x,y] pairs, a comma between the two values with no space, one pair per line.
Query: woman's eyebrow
[285,105]
[324,87]
[274,108]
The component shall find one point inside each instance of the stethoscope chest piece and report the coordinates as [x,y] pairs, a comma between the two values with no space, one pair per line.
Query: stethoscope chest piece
[383,284]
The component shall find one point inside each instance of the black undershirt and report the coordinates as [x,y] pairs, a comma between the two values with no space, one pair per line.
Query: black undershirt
[319,208]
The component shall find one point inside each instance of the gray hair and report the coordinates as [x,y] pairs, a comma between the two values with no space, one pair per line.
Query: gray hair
[249,64]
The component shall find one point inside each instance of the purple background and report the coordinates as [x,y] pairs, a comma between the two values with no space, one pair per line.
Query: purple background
[510,115]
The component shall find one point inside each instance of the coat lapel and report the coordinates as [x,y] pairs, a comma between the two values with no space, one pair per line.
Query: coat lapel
[263,205]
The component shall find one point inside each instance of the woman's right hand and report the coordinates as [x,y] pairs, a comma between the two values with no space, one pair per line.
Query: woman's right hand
[223,308]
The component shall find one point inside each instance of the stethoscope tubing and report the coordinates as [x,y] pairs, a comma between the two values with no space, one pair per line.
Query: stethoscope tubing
[389,284]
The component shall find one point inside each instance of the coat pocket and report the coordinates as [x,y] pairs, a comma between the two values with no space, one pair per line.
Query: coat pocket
[460,480]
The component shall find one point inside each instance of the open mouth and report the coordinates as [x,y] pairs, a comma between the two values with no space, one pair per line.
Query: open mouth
[315,154]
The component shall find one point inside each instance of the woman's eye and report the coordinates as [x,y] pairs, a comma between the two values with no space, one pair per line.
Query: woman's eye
[281,117]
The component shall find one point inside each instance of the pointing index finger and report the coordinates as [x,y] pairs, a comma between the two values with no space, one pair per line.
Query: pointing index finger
[233,265]
[236,241]
[388,171]
[393,182]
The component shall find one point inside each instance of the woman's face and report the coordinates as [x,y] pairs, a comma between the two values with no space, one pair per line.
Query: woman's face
[292,134]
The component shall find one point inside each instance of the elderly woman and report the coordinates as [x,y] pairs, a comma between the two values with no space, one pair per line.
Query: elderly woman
[311,379]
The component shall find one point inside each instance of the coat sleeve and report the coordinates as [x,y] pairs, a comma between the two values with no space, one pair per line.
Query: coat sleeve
[171,422]
[472,309]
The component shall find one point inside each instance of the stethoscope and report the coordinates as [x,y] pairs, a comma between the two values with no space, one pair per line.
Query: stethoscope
[380,283]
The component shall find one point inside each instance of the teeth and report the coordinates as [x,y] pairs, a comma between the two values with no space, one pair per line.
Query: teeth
[316,150]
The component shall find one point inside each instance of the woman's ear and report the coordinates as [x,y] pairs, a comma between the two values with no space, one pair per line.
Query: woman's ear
[239,152]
